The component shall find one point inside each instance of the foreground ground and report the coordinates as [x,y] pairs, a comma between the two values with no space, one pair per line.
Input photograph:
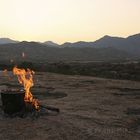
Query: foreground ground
[91,109]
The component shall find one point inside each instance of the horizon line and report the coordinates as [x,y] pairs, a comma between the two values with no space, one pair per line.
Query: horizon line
[68,41]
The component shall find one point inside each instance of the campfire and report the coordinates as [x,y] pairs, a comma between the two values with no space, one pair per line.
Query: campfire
[21,101]
[25,78]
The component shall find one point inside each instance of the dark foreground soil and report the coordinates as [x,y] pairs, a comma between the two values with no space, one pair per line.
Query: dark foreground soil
[90,109]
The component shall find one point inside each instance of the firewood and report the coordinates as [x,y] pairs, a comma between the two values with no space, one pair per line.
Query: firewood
[51,108]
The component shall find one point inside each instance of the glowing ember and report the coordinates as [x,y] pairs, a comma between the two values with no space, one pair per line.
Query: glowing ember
[25,78]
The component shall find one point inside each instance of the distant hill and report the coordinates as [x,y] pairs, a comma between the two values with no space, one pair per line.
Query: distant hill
[50,43]
[7,41]
[106,48]
[130,44]
[125,44]
[36,52]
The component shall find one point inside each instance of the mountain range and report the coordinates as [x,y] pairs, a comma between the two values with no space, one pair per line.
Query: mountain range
[130,44]
[7,41]
[105,48]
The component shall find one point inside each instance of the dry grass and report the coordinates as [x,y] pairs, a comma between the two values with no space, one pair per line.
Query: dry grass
[91,109]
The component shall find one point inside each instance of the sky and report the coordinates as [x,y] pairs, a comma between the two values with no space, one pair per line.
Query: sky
[68,20]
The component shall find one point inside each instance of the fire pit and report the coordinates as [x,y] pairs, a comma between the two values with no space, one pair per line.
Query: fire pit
[14,105]
[17,102]
[12,101]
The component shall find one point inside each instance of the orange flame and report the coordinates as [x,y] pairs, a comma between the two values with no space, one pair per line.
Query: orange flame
[25,78]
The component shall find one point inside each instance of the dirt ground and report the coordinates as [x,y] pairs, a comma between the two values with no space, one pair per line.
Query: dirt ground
[90,109]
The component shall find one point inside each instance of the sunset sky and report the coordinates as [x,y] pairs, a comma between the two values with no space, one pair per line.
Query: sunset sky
[68,20]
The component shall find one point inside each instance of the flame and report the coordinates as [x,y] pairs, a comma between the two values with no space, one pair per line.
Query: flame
[25,78]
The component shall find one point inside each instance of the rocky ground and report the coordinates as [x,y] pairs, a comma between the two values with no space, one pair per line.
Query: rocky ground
[90,109]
